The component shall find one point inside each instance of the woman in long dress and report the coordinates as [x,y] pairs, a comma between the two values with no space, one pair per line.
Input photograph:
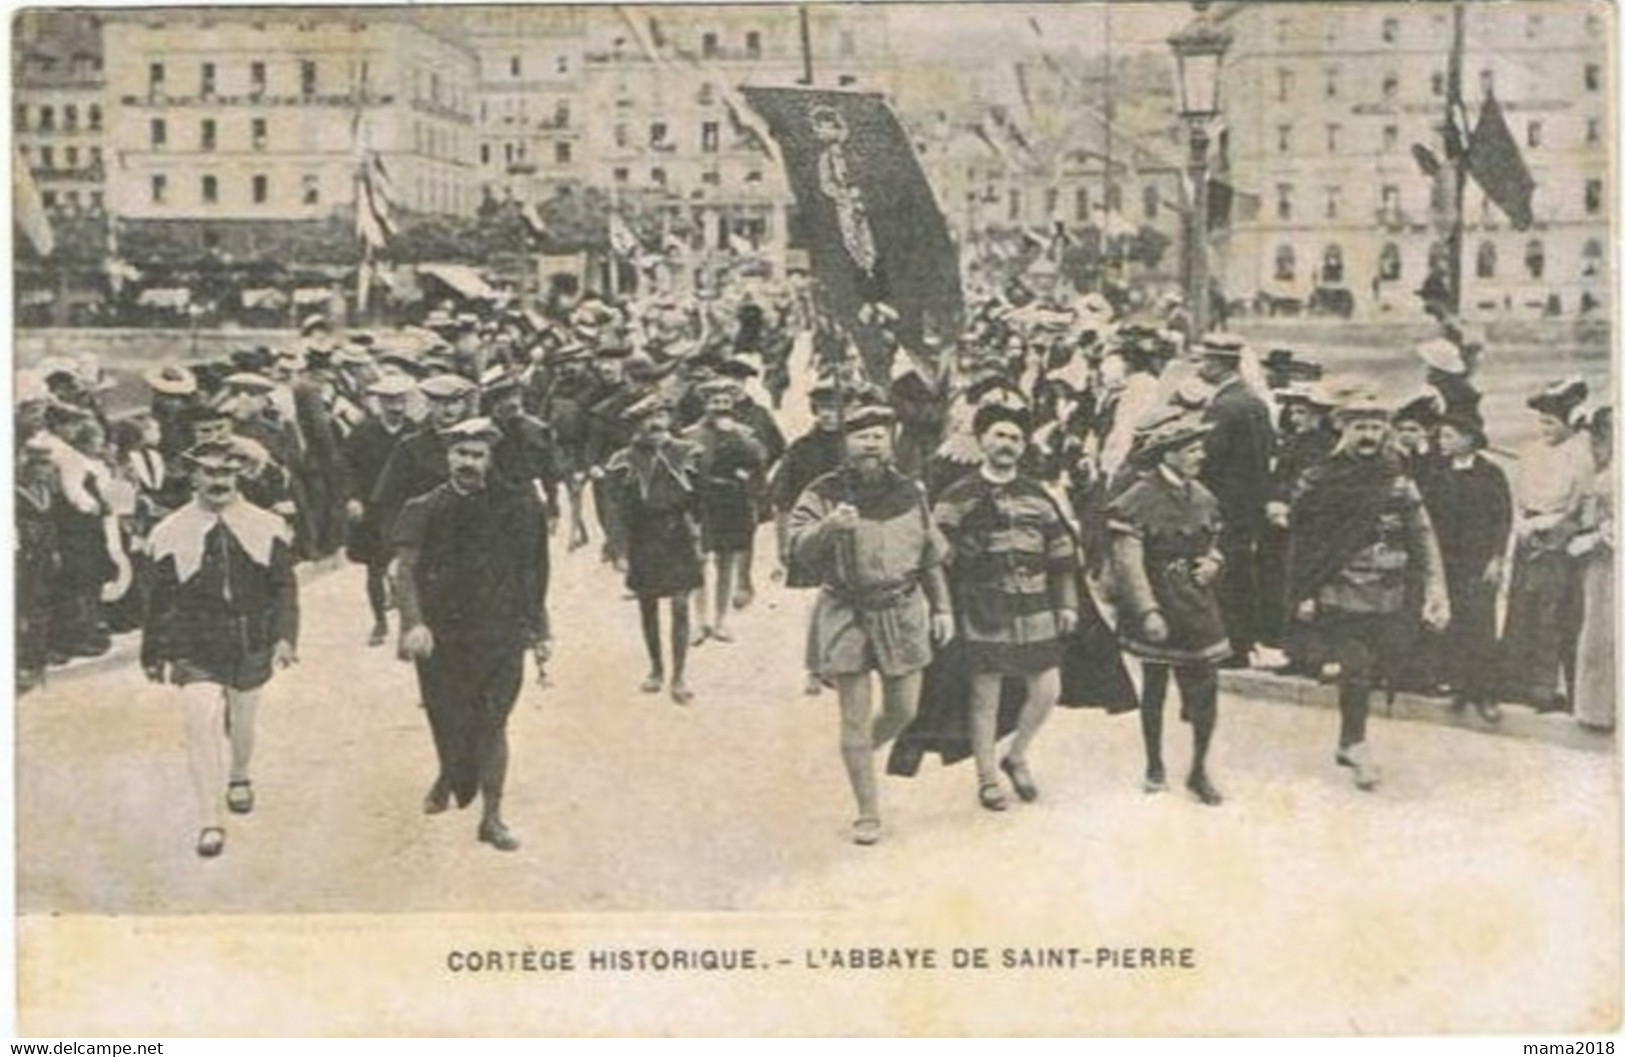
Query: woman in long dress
[1543,602]
[1594,549]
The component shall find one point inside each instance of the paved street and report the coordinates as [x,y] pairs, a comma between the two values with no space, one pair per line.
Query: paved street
[627,801]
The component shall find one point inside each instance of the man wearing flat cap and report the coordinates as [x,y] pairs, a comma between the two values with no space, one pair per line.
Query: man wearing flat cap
[222,611]
[469,587]
[418,462]
[1237,472]
[525,454]
[1363,552]
[366,451]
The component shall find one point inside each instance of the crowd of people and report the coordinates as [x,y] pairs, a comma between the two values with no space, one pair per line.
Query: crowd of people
[995,523]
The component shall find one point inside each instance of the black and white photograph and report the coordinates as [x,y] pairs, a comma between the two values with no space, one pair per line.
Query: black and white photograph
[833,519]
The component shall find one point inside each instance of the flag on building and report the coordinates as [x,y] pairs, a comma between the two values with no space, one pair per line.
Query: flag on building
[28,208]
[866,214]
[1496,163]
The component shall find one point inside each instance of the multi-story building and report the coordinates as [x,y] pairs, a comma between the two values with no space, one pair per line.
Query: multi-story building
[58,107]
[1063,155]
[530,87]
[1323,105]
[221,115]
[658,82]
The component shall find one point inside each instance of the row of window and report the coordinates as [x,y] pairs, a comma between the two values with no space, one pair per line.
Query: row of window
[1151,201]
[208,135]
[70,157]
[1390,264]
[1390,209]
[71,200]
[515,153]
[45,118]
[516,66]
[208,78]
[516,110]
[1336,141]
[660,136]
[1535,27]
[711,177]
[1286,83]
[259,189]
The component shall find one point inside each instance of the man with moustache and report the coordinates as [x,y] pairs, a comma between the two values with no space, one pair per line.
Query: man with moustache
[1362,548]
[222,611]
[366,452]
[468,583]
[1013,572]
[867,534]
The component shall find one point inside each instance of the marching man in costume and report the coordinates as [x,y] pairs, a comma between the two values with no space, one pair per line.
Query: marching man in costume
[222,613]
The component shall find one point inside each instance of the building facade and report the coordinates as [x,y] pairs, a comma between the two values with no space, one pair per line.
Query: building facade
[1061,158]
[243,114]
[1324,105]
[59,108]
[530,85]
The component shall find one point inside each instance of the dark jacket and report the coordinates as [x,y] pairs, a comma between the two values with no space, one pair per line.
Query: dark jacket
[1237,470]
[471,565]
[366,452]
[417,465]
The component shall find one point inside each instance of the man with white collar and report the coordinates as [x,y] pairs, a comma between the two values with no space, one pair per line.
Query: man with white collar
[222,613]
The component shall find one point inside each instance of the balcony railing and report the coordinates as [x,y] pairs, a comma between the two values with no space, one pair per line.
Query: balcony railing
[263,99]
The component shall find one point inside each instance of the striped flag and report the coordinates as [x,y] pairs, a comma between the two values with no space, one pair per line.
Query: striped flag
[374,203]
[28,208]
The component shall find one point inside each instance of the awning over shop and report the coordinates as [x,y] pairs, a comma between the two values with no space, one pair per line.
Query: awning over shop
[165,297]
[461,278]
[264,297]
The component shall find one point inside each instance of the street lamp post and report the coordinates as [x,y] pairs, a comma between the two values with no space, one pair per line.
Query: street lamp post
[1199,49]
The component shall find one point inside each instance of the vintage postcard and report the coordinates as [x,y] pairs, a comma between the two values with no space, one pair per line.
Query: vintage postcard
[833,519]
